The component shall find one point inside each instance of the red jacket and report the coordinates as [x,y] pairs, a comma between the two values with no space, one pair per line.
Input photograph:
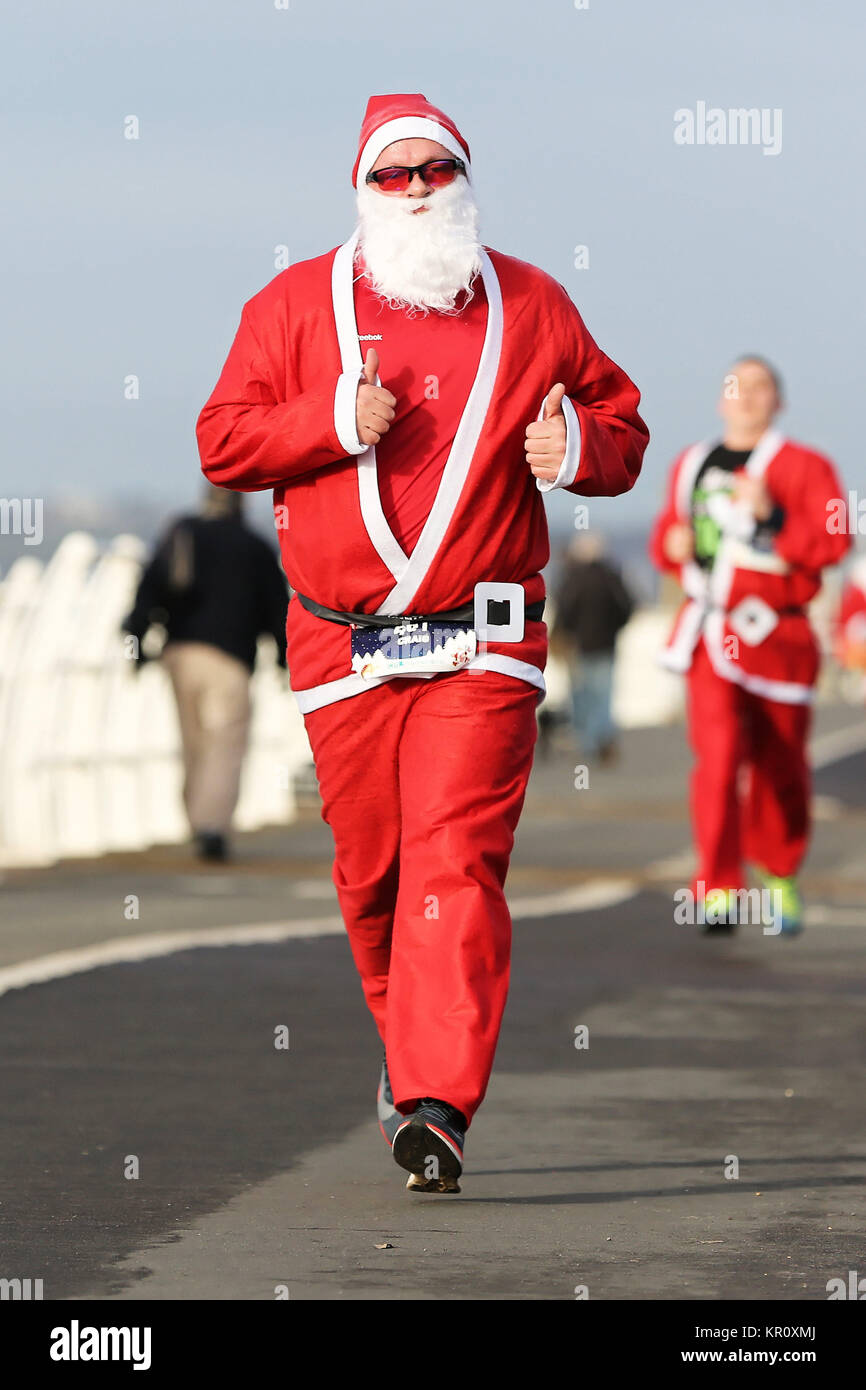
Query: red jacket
[749,607]
[851,619]
[282,416]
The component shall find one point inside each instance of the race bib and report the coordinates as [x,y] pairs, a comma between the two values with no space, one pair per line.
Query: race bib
[411,649]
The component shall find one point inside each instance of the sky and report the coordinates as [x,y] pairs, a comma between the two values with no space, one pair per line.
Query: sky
[135,256]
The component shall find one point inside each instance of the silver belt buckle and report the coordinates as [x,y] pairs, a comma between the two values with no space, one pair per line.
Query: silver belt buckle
[499,612]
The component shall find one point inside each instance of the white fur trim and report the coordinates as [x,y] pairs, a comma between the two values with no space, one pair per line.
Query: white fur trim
[384,541]
[507,666]
[747,557]
[766,449]
[571,463]
[345,419]
[460,457]
[408,128]
[410,571]
[677,656]
[329,692]
[689,469]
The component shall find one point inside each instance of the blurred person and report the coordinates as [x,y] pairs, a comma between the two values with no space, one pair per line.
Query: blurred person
[745,529]
[592,605]
[851,621]
[215,585]
[418,536]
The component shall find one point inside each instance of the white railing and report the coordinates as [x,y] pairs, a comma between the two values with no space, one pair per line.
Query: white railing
[90,748]
[644,693]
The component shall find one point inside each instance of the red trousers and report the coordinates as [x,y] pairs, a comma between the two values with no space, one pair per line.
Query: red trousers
[422,784]
[750,784]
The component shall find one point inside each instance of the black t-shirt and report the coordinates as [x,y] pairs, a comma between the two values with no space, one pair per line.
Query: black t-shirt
[713,486]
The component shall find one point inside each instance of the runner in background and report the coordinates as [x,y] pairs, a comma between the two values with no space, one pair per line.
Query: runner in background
[851,624]
[747,527]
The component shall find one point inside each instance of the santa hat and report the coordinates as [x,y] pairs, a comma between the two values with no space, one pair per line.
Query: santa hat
[404,116]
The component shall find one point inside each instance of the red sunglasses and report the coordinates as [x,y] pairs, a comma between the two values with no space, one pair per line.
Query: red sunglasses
[436,173]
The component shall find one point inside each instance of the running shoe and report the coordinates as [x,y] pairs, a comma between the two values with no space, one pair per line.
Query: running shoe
[390,1118]
[429,1143]
[785,902]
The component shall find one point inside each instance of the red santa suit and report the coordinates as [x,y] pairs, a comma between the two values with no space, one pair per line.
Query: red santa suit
[423,777]
[744,638]
[851,620]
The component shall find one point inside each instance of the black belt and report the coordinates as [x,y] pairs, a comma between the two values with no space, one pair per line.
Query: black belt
[496,617]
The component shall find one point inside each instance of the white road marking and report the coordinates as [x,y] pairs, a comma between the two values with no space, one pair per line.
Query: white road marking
[676,866]
[316,888]
[602,892]
[148,946]
[151,944]
[829,915]
[596,894]
[829,748]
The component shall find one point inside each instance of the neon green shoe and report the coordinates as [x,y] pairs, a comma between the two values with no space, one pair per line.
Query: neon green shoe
[786,903]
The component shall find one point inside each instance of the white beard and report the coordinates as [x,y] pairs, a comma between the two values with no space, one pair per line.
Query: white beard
[420,261]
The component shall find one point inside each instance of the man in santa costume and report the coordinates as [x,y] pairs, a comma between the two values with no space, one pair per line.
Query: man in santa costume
[850,634]
[746,529]
[410,396]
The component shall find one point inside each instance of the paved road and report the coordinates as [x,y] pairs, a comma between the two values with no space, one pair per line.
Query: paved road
[602,1167]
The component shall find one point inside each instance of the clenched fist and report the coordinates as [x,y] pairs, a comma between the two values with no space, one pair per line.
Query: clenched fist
[374,406]
[752,493]
[545,439]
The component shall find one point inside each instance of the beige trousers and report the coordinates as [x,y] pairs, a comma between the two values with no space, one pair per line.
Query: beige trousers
[212,690]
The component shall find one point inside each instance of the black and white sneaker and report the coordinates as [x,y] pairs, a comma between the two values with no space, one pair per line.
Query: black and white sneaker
[390,1118]
[429,1143]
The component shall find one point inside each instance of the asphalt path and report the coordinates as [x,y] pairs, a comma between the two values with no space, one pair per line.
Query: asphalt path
[708,1143]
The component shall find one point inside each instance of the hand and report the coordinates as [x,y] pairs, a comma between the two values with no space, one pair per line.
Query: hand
[678,544]
[752,493]
[545,439]
[374,406]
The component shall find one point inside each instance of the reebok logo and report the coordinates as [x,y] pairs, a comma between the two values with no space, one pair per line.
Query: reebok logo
[370,337]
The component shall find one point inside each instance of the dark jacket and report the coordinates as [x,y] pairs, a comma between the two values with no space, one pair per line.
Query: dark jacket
[213,580]
[592,605]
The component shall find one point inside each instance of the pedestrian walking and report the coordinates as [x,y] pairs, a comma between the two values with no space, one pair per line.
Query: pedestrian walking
[215,585]
[592,606]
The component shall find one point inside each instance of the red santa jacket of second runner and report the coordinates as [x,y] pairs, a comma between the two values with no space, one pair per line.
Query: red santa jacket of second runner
[749,607]
[279,418]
